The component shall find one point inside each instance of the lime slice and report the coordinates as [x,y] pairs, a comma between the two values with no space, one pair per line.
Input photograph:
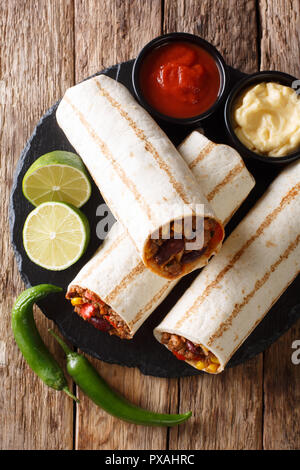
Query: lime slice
[55,235]
[57,176]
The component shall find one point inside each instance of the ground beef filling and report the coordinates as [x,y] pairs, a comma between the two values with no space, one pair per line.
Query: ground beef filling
[172,254]
[92,309]
[184,349]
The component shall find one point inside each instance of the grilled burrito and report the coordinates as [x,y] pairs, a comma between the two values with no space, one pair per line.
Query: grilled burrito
[234,292]
[142,177]
[114,291]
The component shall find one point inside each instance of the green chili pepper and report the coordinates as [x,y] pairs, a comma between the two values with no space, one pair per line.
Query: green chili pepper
[90,382]
[29,341]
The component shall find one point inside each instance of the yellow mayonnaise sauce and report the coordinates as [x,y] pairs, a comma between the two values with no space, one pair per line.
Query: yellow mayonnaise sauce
[266,119]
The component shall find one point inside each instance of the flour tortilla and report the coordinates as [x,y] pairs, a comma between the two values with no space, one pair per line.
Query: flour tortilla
[140,174]
[257,263]
[116,273]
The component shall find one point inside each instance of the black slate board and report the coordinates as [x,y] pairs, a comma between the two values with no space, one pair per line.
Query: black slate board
[143,351]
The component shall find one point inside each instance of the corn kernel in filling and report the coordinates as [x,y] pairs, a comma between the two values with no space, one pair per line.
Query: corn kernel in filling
[185,349]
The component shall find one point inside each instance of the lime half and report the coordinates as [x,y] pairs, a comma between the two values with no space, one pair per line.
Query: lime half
[57,176]
[55,235]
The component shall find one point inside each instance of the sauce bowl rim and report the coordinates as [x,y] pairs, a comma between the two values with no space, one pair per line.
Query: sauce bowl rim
[172,37]
[252,79]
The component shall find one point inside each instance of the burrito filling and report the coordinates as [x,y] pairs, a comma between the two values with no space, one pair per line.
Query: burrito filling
[92,309]
[185,350]
[174,253]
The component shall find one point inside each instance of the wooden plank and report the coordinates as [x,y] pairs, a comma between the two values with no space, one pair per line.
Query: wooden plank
[227,408]
[227,411]
[112,31]
[280,21]
[230,26]
[106,33]
[282,394]
[36,66]
[96,429]
[280,35]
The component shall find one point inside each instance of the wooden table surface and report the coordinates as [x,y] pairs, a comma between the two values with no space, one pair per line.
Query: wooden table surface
[45,47]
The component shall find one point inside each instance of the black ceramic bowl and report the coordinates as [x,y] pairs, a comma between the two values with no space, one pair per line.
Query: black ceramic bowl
[174,37]
[267,76]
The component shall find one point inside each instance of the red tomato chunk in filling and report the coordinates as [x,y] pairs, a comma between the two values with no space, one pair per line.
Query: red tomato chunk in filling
[172,254]
[185,350]
[92,309]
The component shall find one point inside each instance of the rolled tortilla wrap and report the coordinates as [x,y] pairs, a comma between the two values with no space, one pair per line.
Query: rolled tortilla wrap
[142,177]
[116,275]
[234,292]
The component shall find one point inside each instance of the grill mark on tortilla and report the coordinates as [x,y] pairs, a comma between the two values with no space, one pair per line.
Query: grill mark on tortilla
[202,154]
[259,319]
[266,222]
[150,304]
[238,307]
[228,178]
[107,201]
[136,271]
[235,209]
[112,247]
[148,146]
[106,152]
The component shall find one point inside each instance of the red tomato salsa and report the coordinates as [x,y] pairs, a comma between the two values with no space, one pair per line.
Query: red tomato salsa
[180,79]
